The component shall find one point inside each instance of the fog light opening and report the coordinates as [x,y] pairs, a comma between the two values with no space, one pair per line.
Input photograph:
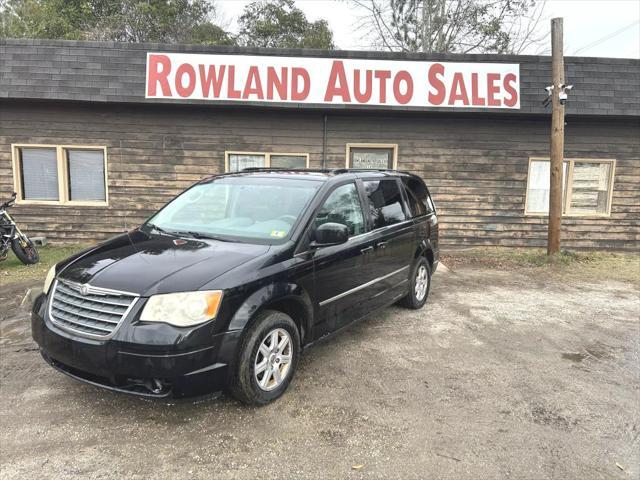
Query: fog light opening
[155,386]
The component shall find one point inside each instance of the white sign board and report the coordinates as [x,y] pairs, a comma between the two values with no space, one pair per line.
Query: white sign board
[307,80]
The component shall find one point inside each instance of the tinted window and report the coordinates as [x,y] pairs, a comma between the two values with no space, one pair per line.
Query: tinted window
[384,202]
[343,206]
[419,201]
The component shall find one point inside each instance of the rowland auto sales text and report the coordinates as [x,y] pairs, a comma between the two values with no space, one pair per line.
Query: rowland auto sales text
[313,80]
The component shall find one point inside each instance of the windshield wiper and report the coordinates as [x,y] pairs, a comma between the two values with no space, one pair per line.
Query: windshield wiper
[161,230]
[206,236]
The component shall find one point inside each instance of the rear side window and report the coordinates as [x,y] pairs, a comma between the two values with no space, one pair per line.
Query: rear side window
[384,202]
[419,201]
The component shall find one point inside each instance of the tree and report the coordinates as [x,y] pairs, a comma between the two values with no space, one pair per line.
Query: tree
[280,24]
[119,20]
[39,19]
[460,26]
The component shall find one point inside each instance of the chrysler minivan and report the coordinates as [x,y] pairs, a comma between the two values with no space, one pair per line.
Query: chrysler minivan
[226,285]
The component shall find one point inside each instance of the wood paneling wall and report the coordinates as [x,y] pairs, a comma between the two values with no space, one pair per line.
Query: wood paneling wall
[476,166]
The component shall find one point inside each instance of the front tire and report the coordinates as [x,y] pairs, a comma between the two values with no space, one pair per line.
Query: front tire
[25,250]
[267,359]
[419,285]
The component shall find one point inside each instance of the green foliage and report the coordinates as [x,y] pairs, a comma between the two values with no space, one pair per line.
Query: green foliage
[280,24]
[568,265]
[13,270]
[188,21]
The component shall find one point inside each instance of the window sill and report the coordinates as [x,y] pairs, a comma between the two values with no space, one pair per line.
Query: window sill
[571,215]
[57,203]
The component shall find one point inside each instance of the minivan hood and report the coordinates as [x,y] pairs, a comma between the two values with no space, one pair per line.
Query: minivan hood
[148,264]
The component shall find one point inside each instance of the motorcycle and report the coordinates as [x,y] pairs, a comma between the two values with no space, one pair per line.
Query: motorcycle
[12,237]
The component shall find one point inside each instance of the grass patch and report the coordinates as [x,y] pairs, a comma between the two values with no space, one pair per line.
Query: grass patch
[13,270]
[581,266]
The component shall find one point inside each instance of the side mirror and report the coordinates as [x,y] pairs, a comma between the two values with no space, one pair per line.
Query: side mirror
[329,234]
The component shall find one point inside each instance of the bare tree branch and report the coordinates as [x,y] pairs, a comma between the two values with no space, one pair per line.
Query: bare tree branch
[468,26]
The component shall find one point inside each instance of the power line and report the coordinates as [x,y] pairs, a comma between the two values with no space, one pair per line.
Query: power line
[606,37]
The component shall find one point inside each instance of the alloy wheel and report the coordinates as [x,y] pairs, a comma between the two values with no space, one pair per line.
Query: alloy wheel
[273,359]
[422,283]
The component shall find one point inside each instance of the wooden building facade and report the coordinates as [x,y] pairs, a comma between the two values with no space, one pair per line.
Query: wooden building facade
[91,156]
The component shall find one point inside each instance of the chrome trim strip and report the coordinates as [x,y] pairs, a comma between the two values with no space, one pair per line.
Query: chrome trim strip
[405,224]
[360,287]
[164,355]
[72,293]
[93,290]
[84,315]
[92,308]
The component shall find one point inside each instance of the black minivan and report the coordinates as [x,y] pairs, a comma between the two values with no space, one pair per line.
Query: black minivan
[226,284]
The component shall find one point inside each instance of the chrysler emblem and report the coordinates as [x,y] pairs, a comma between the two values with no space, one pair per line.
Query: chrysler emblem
[84,289]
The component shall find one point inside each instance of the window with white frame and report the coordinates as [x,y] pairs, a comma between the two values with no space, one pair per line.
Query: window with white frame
[372,155]
[587,187]
[60,174]
[238,161]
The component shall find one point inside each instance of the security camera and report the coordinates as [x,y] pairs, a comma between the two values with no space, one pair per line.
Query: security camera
[564,91]
[549,89]
[562,96]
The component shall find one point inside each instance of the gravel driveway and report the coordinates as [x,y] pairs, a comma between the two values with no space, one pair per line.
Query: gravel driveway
[502,376]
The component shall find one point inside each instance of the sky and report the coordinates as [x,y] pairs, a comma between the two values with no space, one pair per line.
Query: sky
[593,28]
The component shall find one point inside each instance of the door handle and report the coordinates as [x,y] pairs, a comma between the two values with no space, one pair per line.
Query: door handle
[382,245]
[366,251]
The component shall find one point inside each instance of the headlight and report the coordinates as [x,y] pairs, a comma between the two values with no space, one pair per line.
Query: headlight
[51,275]
[182,309]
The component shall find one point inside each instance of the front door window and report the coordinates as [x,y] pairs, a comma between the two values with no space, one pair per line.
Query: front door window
[343,206]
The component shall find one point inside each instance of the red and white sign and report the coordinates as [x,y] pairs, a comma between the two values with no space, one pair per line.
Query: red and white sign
[391,83]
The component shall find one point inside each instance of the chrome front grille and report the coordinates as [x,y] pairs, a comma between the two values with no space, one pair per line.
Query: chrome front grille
[87,310]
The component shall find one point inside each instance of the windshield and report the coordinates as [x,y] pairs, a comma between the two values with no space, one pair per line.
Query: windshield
[237,208]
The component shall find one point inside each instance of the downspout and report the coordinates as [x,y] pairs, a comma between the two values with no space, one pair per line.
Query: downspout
[324,142]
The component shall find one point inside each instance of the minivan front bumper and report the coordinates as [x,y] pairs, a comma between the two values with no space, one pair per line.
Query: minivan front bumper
[177,370]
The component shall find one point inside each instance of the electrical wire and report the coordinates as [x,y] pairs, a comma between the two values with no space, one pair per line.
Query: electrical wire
[606,37]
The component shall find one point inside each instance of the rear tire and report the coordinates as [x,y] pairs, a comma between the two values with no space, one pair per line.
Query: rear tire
[264,370]
[27,253]
[419,285]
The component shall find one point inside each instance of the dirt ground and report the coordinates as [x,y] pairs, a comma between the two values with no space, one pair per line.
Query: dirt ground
[502,375]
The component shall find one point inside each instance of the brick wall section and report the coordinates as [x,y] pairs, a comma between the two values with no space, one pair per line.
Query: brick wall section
[477,171]
[115,72]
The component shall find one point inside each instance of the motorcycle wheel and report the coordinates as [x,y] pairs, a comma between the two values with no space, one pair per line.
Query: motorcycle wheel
[25,250]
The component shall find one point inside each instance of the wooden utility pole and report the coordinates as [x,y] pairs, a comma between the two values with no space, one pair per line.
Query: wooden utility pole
[557,139]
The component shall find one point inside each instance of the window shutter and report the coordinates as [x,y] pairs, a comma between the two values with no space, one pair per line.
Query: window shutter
[39,174]
[238,162]
[590,188]
[288,161]
[86,175]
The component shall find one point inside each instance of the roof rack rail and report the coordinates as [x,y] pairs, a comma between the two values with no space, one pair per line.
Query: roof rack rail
[347,170]
[284,169]
[335,171]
